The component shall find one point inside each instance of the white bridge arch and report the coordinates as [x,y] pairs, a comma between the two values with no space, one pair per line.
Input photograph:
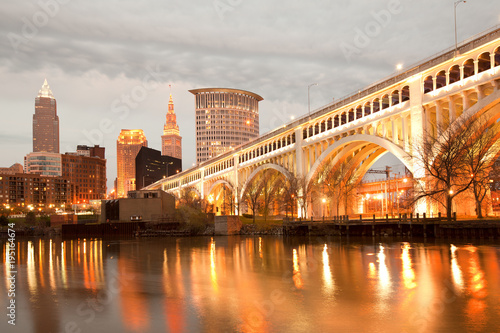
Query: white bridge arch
[388,116]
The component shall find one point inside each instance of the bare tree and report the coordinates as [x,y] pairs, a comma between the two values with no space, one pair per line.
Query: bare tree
[328,183]
[480,158]
[251,195]
[290,194]
[338,182]
[271,184]
[304,191]
[452,159]
[227,200]
[189,197]
[349,181]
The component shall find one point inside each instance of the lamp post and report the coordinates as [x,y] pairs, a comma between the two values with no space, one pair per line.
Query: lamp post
[324,202]
[309,97]
[455,17]
[167,168]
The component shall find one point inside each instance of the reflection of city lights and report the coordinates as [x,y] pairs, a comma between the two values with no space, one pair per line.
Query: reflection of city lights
[327,273]
[260,247]
[31,268]
[297,278]
[383,274]
[455,269]
[408,273]
[213,272]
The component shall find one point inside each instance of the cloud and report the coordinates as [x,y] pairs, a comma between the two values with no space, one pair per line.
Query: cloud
[92,52]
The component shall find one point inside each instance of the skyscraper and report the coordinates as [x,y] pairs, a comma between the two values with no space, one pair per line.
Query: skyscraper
[127,146]
[225,118]
[45,122]
[171,141]
[151,165]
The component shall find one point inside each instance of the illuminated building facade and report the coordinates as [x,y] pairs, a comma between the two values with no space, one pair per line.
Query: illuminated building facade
[45,122]
[225,118]
[87,173]
[34,191]
[127,146]
[43,163]
[171,141]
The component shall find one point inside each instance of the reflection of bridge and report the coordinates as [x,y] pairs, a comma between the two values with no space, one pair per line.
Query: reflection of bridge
[384,117]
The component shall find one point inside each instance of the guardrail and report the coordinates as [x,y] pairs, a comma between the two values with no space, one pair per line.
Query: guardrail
[402,218]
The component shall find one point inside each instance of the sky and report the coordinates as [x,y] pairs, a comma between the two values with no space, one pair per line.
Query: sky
[110,63]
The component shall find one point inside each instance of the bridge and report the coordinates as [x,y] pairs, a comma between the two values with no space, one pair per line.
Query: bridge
[387,116]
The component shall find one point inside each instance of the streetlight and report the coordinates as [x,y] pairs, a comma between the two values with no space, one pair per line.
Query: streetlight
[455,17]
[309,98]
[167,166]
[324,201]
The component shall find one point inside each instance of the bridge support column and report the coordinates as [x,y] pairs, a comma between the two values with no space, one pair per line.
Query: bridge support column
[452,112]
[417,123]
[394,132]
[439,114]
[404,132]
[465,100]
[202,185]
[480,94]
[236,185]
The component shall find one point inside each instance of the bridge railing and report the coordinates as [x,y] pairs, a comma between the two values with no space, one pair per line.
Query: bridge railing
[401,218]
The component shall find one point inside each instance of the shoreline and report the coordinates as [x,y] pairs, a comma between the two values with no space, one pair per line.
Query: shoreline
[464,231]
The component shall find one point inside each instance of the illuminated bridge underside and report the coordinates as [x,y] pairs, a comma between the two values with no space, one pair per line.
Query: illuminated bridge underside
[386,117]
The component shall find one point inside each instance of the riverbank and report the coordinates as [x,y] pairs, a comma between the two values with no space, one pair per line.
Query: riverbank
[462,229]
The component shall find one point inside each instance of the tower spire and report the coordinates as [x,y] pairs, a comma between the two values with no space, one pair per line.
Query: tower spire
[45,91]
[171,140]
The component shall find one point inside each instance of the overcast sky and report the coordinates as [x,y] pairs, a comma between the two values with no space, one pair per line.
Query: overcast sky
[110,63]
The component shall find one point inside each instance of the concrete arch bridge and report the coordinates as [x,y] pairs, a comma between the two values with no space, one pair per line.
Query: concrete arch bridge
[388,116]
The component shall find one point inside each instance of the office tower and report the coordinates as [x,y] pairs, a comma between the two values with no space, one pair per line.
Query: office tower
[45,122]
[151,165]
[171,141]
[225,118]
[127,146]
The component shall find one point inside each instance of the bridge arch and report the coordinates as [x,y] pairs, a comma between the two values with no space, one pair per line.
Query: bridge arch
[192,188]
[219,182]
[263,167]
[384,143]
[488,107]
[468,68]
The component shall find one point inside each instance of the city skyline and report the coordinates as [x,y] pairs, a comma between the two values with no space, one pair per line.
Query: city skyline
[329,44]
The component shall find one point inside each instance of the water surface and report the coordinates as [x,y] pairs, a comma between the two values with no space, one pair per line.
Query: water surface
[252,284]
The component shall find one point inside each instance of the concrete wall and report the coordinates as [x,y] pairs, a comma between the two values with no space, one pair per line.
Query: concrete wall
[147,208]
[227,225]
[140,207]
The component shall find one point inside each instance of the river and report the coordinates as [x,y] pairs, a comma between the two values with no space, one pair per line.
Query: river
[250,284]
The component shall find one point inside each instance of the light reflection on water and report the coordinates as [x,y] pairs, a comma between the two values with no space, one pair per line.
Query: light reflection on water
[261,284]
